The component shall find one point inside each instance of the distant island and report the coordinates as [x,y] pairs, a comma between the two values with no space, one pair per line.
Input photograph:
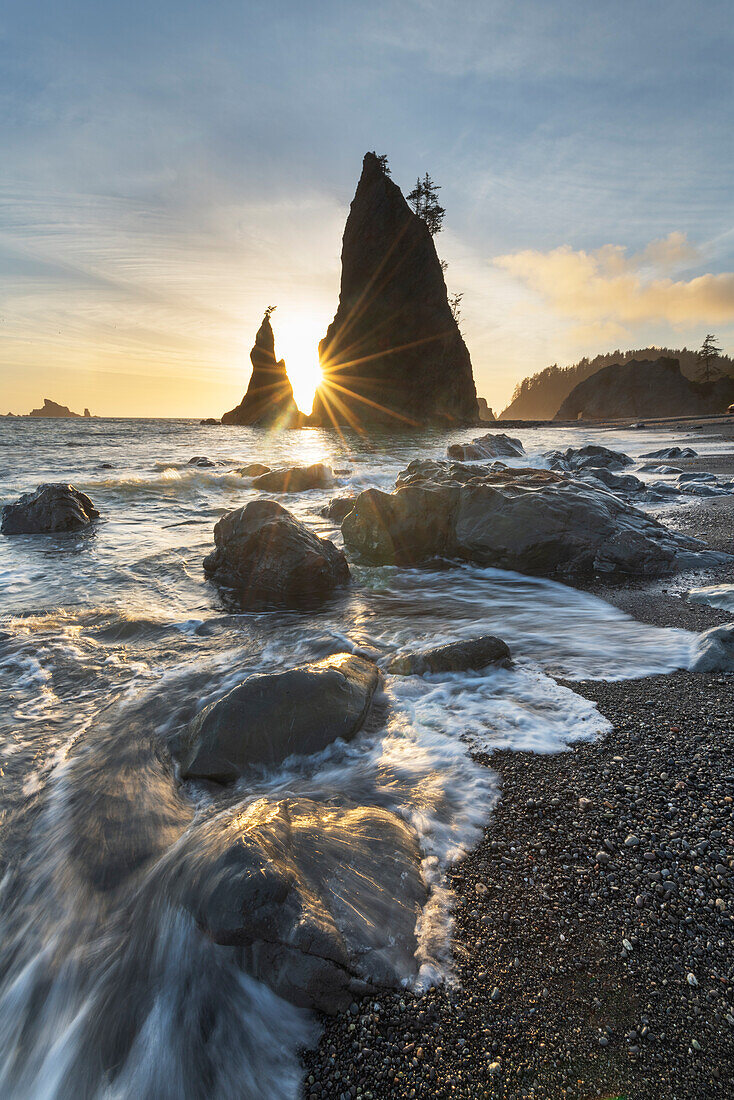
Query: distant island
[52,410]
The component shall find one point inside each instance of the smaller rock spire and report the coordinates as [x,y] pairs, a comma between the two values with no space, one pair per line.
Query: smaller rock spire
[269,398]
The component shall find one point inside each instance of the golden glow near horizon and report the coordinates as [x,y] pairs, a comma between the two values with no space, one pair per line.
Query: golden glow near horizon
[297,338]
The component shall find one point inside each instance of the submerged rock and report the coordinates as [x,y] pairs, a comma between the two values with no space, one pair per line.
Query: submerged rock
[200,460]
[267,718]
[339,507]
[714,650]
[296,479]
[531,521]
[454,657]
[320,900]
[269,398]
[393,355]
[267,556]
[51,507]
[253,469]
[487,446]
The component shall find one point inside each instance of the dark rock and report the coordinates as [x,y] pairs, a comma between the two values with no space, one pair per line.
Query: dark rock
[52,507]
[267,718]
[714,650]
[659,468]
[487,446]
[267,556]
[339,507]
[320,900]
[645,388]
[585,458]
[253,469]
[52,409]
[428,471]
[393,353]
[531,521]
[623,483]
[455,657]
[269,398]
[485,413]
[296,479]
[210,420]
[671,452]
[87,413]
[200,460]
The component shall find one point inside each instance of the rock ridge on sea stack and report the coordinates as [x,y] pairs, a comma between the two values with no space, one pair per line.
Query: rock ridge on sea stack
[269,398]
[393,356]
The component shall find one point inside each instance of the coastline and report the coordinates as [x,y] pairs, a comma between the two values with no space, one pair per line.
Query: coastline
[549,1001]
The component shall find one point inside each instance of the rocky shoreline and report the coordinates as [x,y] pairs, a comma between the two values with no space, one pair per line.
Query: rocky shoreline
[593,923]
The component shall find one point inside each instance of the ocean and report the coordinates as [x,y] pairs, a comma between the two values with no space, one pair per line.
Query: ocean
[112,639]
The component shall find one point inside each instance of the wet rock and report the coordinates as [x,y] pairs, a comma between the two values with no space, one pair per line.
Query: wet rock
[269,399]
[296,479]
[659,468]
[627,484]
[714,650]
[393,353]
[455,657]
[592,456]
[210,420]
[253,469]
[528,521]
[669,453]
[267,718]
[267,556]
[487,446]
[200,460]
[51,507]
[339,507]
[321,901]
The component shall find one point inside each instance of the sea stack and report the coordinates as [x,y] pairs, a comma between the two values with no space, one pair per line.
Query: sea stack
[269,398]
[393,356]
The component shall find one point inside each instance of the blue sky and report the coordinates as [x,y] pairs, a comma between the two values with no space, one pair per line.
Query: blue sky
[169,169]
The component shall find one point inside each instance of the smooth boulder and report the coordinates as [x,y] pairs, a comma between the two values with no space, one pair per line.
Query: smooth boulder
[338,508]
[714,650]
[296,479]
[269,717]
[320,900]
[475,653]
[593,456]
[530,521]
[267,556]
[253,469]
[52,507]
[669,453]
[487,446]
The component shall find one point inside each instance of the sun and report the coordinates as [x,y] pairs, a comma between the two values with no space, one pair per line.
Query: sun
[297,341]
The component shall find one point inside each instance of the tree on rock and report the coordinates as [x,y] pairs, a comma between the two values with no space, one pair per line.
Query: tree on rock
[424,200]
[708,354]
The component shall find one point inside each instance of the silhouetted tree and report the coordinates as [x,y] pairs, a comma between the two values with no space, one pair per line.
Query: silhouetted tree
[269,310]
[708,354]
[382,161]
[455,306]
[424,200]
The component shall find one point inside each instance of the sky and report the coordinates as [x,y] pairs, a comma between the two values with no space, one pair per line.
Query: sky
[170,168]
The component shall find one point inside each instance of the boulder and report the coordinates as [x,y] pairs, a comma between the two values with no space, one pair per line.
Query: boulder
[210,420]
[267,556]
[521,520]
[622,483]
[591,457]
[320,900]
[393,355]
[339,507]
[269,399]
[714,650]
[671,452]
[253,469]
[296,479]
[487,446]
[455,657]
[267,718]
[439,471]
[51,507]
[200,460]
[659,468]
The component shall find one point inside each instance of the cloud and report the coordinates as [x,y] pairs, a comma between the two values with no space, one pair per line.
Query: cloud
[608,286]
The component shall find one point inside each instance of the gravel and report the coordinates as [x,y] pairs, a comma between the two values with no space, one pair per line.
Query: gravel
[594,922]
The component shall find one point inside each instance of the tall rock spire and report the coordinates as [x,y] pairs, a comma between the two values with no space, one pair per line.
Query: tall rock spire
[393,355]
[269,398]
